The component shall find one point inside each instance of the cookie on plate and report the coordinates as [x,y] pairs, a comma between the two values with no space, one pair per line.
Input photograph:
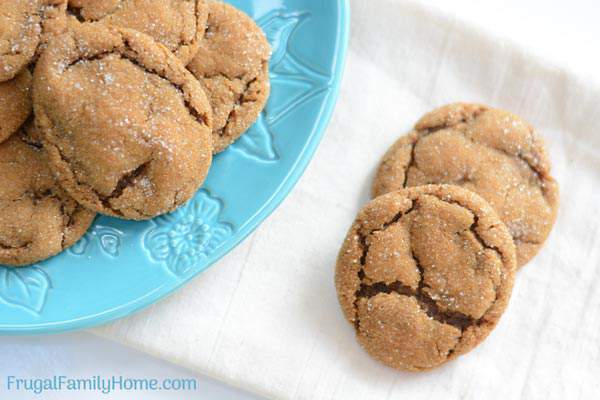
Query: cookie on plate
[233,65]
[491,152]
[177,24]
[37,217]
[127,128]
[24,26]
[15,103]
[424,275]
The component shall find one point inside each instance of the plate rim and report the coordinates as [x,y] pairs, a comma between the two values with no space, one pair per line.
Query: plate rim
[290,181]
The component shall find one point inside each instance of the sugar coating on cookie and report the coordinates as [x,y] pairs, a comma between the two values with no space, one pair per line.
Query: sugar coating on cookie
[424,275]
[24,26]
[37,218]
[177,24]
[491,152]
[233,65]
[126,126]
[15,103]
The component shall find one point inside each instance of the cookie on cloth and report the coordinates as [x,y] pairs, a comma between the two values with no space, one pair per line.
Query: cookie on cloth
[38,219]
[233,65]
[127,128]
[491,152]
[424,275]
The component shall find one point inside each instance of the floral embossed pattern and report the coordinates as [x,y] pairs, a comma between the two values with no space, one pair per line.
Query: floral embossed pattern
[189,235]
[119,267]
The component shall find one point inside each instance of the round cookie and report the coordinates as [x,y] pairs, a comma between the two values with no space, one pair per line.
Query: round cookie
[491,152]
[127,128]
[233,65]
[15,103]
[37,218]
[424,275]
[177,24]
[24,26]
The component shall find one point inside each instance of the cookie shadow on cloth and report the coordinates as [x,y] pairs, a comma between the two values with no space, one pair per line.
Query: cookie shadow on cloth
[366,193]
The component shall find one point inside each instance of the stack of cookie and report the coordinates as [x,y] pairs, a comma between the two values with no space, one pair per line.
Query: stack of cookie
[428,266]
[116,107]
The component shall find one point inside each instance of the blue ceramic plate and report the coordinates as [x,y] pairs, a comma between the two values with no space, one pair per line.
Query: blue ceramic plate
[120,267]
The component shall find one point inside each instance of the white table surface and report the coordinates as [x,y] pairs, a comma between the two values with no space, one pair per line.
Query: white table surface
[564,32]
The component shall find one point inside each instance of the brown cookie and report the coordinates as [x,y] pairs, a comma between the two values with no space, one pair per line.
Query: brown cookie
[37,217]
[491,152]
[15,103]
[126,126]
[24,26]
[177,24]
[233,65]
[424,275]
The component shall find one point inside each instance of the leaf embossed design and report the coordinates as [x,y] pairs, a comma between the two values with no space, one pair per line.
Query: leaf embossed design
[25,287]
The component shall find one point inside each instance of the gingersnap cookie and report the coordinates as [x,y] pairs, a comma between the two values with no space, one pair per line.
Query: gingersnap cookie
[491,152]
[24,26]
[15,103]
[126,126]
[424,275]
[37,217]
[233,65]
[177,24]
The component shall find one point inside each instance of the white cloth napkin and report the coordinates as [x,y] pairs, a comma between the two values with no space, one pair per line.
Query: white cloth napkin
[266,317]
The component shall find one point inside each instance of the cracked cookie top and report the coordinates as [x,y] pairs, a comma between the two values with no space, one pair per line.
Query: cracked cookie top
[127,128]
[233,65]
[177,24]
[15,103]
[37,218]
[424,275]
[491,152]
[24,26]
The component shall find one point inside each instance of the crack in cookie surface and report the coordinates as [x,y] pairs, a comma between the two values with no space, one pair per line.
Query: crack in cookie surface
[488,151]
[166,120]
[128,53]
[133,14]
[393,296]
[39,20]
[232,64]
[426,302]
[240,99]
[38,219]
